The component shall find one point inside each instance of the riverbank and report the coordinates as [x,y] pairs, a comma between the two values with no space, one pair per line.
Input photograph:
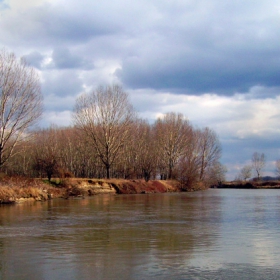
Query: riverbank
[17,189]
[249,185]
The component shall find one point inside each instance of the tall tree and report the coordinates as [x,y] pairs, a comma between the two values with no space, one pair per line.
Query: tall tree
[258,163]
[209,150]
[129,160]
[199,165]
[189,163]
[105,116]
[147,152]
[20,102]
[172,132]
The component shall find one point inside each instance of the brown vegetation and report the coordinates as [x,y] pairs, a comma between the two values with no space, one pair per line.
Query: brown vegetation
[181,153]
[15,189]
[19,189]
[142,186]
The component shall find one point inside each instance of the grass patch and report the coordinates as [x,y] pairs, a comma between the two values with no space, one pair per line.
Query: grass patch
[13,189]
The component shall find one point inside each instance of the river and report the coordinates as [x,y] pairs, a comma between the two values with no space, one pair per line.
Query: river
[213,234]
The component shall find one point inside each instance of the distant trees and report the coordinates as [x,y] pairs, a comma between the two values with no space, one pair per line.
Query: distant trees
[257,165]
[20,103]
[105,116]
[277,169]
[245,172]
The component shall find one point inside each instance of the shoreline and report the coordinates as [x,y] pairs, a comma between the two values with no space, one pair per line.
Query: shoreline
[249,185]
[17,190]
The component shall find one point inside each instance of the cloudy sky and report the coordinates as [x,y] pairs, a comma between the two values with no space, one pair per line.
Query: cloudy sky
[215,61]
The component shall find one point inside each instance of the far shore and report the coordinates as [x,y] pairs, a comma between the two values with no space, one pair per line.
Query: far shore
[249,185]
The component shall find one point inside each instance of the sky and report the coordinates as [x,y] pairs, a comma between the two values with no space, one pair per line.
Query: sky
[215,61]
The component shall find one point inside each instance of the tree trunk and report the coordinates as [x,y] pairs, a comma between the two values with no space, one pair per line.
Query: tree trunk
[108,171]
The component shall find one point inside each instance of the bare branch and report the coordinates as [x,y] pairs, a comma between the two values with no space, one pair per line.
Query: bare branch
[20,102]
[106,117]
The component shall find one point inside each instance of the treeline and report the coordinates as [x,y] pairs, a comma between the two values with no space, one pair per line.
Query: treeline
[257,166]
[108,140]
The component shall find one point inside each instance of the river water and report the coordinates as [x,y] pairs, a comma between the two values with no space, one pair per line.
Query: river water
[213,234]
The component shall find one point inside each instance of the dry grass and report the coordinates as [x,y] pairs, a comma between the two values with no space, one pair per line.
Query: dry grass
[141,186]
[13,189]
[87,186]
[7,195]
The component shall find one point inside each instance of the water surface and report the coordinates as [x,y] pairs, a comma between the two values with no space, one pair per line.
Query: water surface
[214,234]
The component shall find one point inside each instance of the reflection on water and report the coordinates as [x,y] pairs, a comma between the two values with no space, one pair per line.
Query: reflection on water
[215,234]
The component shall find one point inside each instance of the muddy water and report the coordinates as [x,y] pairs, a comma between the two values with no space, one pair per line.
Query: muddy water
[215,234]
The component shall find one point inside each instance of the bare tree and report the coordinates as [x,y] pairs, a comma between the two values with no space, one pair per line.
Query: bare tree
[189,164]
[172,132]
[105,116]
[258,163]
[277,165]
[20,102]
[22,162]
[217,175]
[139,158]
[245,172]
[46,152]
[78,156]
[209,150]
[147,152]
[199,165]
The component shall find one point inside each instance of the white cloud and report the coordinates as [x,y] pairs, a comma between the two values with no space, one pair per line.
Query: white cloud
[62,118]
[235,115]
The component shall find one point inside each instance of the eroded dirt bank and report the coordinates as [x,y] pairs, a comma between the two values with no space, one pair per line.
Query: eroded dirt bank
[19,189]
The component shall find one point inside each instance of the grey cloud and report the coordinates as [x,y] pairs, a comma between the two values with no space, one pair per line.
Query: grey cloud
[62,83]
[63,58]
[242,149]
[198,73]
[260,92]
[34,59]
[187,47]
[50,24]
[60,26]
[199,52]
